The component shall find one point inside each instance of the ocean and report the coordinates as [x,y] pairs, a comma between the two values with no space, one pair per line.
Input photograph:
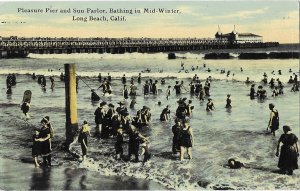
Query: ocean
[237,133]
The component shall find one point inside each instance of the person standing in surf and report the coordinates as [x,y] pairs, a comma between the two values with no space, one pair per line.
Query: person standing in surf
[176,130]
[177,88]
[146,89]
[94,96]
[189,109]
[145,144]
[124,79]
[36,151]
[228,102]
[274,119]
[252,91]
[139,78]
[210,105]
[289,152]
[168,92]
[82,138]
[154,88]
[99,117]
[132,89]
[99,77]
[25,108]
[165,114]
[134,143]
[186,140]
[45,142]
[119,144]
[52,82]
[125,92]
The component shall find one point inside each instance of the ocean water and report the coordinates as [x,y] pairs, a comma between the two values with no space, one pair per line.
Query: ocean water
[237,133]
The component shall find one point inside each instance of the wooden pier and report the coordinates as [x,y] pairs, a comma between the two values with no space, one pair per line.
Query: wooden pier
[16,46]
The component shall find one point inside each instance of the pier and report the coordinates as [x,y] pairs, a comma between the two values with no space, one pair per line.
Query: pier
[20,47]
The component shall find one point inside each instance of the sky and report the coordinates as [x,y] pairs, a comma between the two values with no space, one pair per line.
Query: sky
[274,20]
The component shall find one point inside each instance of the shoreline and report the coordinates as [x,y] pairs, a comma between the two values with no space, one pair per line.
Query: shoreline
[64,177]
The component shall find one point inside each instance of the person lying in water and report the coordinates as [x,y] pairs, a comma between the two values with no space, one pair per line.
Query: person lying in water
[234,164]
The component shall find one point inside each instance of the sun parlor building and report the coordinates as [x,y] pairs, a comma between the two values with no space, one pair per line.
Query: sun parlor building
[239,38]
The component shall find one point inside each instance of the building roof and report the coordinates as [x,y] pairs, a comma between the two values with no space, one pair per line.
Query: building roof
[241,35]
[248,34]
[226,35]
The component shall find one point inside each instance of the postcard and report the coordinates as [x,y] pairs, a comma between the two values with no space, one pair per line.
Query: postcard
[149,95]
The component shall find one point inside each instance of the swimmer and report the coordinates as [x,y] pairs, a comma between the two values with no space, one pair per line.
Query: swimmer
[119,144]
[165,114]
[233,164]
[168,92]
[228,101]
[82,138]
[132,103]
[291,80]
[125,92]
[94,96]
[189,109]
[210,105]
[177,88]
[99,77]
[274,119]
[186,140]
[62,77]
[52,82]
[36,147]
[108,77]
[247,81]
[9,90]
[146,89]
[154,88]
[145,144]
[25,107]
[176,129]
[139,78]
[124,79]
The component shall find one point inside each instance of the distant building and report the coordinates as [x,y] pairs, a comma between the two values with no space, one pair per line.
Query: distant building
[239,38]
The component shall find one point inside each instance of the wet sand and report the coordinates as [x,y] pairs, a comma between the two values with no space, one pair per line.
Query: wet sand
[16,175]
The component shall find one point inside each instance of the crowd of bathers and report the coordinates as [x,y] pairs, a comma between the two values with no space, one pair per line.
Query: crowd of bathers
[115,122]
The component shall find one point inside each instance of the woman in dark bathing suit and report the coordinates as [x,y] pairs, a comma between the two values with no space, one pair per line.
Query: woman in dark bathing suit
[274,119]
[289,152]
[186,140]
[45,144]
[210,105]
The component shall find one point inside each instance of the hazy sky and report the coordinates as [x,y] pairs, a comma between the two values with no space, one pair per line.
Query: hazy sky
[274,20]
